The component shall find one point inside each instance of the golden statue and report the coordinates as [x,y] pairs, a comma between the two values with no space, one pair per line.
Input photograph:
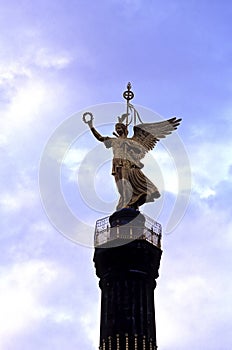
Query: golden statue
[133,186]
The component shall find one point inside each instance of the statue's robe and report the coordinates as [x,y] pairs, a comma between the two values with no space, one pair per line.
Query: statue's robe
[133,186]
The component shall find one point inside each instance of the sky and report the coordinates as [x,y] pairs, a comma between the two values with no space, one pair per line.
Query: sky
[59,59]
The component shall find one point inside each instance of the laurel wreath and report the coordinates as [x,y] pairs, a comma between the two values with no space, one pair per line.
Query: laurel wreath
[84,117]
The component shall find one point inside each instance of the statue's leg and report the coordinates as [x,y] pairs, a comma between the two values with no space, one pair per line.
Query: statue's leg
[124,187]
[118,178]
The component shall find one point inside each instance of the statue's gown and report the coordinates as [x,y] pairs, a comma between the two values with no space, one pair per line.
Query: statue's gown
[133,186]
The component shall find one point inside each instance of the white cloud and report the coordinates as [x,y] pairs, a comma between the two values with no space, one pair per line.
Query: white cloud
[62,316]
[210,153]
[30,112]
[22,118]
[27,91]
[207,192]
[211,160]
[23,195]
[38,293]
[20,288]
[17,200]
[10,71]
[88,322]
[26,105]
[72,161]
[168,171]
[74,156]
[45,58]
[189,300]
[26,64]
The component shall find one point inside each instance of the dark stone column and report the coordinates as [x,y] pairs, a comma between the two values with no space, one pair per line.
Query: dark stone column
[127,280]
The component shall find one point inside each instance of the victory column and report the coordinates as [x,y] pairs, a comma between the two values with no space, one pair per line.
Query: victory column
[127,244]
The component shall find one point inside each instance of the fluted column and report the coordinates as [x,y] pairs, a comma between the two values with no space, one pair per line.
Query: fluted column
[127,280]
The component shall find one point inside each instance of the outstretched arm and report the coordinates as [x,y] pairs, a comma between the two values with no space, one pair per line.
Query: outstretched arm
[98,136]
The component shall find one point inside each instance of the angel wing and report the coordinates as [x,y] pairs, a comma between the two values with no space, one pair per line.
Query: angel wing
[148,134]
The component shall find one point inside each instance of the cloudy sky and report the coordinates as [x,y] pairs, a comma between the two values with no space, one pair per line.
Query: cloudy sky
[58,59]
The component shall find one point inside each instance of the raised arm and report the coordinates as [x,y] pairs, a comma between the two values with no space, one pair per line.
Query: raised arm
[98,136]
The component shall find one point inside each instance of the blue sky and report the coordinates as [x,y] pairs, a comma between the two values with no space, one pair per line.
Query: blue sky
[58,59]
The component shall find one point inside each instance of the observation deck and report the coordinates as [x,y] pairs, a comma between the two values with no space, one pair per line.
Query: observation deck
[114,232]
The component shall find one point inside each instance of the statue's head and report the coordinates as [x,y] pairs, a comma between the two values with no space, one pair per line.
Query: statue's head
[121,129]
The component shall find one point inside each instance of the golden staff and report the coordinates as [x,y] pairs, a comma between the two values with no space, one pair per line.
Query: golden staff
[128,95]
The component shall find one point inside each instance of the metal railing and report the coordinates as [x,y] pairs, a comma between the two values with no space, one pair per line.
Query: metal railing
[150,231]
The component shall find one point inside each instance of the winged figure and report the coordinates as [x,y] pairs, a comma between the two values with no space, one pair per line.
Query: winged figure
[133,186]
